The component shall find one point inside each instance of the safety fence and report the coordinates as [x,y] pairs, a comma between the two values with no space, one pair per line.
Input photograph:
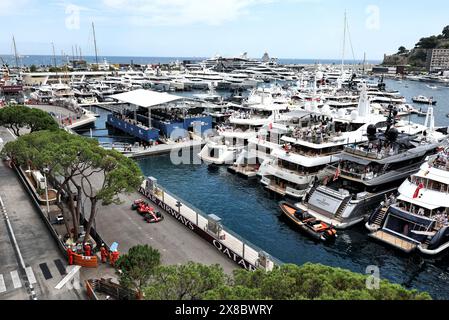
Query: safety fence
[210,228]
[106,287]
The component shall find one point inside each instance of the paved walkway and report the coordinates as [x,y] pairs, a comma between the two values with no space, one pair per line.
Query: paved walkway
[177,244]
[63,113]
[44,261]
[116,223]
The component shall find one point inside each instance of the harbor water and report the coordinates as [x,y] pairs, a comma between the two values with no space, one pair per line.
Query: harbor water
[247,209]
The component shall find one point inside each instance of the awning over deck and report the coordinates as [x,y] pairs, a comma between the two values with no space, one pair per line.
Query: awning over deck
[146,98]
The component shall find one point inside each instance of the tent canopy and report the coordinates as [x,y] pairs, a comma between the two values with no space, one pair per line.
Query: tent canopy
[146,98]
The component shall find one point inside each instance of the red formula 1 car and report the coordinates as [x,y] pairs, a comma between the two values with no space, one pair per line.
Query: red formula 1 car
[145,210]
[152,217]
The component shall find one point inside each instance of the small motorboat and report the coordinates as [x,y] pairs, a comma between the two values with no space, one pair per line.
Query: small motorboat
[424,100]
[314,228]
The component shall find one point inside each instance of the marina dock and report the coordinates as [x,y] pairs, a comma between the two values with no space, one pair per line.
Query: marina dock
[139,152]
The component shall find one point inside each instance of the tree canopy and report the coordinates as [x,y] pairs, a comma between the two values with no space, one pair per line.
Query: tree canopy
[288,282]
[185,282]
[445,32]
[194,281]
[76,162]
[137,266]
[18,117]
[402,50]
[428,43]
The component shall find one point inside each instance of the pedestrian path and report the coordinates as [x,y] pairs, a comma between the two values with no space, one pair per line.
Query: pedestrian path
[14,279]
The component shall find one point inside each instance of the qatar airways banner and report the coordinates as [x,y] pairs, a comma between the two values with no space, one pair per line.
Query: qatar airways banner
[203,234]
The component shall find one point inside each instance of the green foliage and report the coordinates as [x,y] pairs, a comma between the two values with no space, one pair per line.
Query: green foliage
[417,57]
[288,282]
[101,174]
[402,50]
[428,43]
[17,117]
[445,32]
[233,293]
[33,68]
[137,267]
[39,120]
[185,282]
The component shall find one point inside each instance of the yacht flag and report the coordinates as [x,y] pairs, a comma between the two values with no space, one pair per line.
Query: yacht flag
[420,187]
[337,173]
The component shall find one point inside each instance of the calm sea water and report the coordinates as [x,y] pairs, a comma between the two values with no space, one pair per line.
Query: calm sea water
[48,60]
[247,209]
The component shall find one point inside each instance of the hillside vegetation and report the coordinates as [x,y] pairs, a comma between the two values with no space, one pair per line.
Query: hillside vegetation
[417,56]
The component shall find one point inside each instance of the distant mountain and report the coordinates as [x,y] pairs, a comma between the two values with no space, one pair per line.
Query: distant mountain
[417,56]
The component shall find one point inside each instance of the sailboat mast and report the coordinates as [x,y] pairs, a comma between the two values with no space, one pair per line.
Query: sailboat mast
[364,62]
[15,52]
[54,55]
[344,44]
[95,43]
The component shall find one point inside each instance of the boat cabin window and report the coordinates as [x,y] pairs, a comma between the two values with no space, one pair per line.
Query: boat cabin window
[359,171]
[430,184]
[298,168]
[311,152]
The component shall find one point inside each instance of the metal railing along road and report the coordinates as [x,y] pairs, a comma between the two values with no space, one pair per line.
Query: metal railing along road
[227,237]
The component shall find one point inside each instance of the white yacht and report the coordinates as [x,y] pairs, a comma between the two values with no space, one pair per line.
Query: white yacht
[134,80]
[308,150]
[417,219]
[233,137]
[367,172]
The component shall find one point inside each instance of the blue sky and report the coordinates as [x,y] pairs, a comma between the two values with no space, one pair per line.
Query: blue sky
[285,28]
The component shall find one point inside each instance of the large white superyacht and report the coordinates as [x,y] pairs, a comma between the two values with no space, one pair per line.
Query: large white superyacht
[243,125]
[308,150]
[367,172]
[417,218]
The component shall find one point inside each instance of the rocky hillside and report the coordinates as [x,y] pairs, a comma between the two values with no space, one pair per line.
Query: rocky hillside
[416,57]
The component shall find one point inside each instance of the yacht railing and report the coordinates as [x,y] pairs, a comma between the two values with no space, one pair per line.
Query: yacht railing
[370,154]
[355,175]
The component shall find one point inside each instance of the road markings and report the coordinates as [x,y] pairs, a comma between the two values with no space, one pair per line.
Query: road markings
[16,279]
[61,268]
[2,284]
[45,271]
[68,277]
[30,275]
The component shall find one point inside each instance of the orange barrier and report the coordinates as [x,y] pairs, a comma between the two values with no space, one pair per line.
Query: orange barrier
[87,262]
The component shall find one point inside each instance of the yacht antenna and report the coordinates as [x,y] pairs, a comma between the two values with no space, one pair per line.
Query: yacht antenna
[95,44]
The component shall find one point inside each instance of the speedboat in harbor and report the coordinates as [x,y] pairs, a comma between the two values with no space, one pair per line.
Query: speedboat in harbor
[417,219]
[367,172]
[316,229]
[424,100]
